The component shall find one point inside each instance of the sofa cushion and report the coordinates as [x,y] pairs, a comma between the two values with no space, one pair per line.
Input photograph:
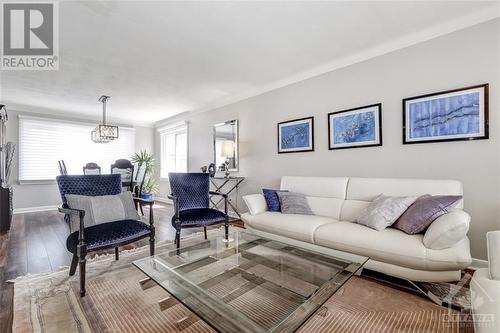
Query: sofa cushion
[104,235]
[329,207]
[447,230]
[391,246]
[272,200]
[367,189]
[424,211]
[326,187]
[256,203]
[294,203]
[384,211]
[300,227]
[102,209]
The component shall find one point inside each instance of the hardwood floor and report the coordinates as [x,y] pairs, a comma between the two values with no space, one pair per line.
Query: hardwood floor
[36,243]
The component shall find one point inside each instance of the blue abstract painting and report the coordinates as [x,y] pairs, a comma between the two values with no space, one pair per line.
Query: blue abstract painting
[355,127]
[358,127]
[295,135]
[457,115]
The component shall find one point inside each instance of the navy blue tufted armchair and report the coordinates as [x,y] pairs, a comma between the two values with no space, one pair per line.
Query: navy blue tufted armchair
[190,193]
[102,236]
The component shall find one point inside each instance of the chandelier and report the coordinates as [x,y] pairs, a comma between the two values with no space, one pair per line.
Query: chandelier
[104,133]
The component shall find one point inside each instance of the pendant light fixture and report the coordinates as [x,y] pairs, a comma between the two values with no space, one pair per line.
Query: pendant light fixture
[104,133]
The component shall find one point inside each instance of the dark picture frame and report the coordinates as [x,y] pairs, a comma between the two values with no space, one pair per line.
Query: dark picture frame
[294,130]
[455,97]
[356,125]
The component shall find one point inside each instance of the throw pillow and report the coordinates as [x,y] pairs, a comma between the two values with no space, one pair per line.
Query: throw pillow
[424,211]
[102,209]
[272,199]
[384,211]
[294,203]
[447,230]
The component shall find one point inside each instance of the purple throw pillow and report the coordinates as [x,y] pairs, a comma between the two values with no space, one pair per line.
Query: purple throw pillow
[272,199]
[424,211]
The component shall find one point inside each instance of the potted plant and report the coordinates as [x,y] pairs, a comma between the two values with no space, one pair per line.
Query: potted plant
[143,159]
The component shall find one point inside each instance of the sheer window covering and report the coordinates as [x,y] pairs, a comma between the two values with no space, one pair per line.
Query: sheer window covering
[42,142]
[174,149]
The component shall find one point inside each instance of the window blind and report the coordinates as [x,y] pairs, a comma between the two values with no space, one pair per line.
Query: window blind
[43,142]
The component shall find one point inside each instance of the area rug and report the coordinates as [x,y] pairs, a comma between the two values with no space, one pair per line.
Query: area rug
[115,302]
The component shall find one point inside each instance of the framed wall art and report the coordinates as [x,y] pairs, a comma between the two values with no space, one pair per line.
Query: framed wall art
[355,128]
[296,135]
[460,114]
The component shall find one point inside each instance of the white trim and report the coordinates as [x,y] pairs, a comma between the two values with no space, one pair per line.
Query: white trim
[459,23]
[172,127]
[34,209]
[36,182]
[478,263]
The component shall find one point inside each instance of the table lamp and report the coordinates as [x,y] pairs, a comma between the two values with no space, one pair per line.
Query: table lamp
[228,153]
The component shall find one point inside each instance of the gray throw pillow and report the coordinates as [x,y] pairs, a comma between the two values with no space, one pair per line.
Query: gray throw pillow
[294,203]
[102,209]
[384,211]
[424,211]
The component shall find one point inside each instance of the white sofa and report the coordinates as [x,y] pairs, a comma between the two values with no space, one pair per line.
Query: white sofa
[438,255]
[485,289]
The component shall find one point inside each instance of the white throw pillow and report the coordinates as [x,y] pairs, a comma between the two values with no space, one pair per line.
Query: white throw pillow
[102,209]
[384,211]
[447,230]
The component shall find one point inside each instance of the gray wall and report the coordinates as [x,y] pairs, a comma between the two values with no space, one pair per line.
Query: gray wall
[464,58]
[39,195]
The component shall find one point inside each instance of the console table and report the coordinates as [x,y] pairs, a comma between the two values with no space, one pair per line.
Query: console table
[225,185]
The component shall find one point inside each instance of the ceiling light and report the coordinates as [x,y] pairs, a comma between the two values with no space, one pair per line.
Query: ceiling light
[104,133]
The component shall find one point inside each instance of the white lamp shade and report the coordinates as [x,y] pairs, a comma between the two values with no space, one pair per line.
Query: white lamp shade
[227,149]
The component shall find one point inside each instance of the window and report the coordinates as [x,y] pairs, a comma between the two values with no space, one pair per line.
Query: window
[174,149]
[42,142]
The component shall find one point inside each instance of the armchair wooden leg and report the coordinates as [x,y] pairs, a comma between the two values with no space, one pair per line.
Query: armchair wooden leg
[74,264]
[142,211]
[152,242]
[82,252]
[205,231]
[82,277]
[116,253]
[226,229]
[178,239]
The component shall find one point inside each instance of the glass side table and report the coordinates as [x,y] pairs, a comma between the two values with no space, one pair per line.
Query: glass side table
[225,185]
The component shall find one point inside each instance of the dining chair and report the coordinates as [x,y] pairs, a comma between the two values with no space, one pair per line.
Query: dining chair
[139,179]
[62,168]
[125,168]
[91,168]
[191,197]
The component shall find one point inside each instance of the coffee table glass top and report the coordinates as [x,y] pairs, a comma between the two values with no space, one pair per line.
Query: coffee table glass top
[250,283]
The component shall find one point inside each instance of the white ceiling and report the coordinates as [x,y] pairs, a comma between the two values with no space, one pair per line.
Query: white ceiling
[158,59]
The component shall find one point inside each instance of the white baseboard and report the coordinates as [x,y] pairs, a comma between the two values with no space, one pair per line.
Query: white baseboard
[478,263]
[34,209]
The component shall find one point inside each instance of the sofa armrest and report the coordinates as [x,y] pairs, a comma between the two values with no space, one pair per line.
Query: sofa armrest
[256,203]
[485,294]
[447,230]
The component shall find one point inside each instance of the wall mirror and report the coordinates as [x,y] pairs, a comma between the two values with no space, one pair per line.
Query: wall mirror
[226,144]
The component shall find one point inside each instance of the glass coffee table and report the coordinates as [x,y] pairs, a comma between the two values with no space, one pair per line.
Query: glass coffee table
[250,283]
